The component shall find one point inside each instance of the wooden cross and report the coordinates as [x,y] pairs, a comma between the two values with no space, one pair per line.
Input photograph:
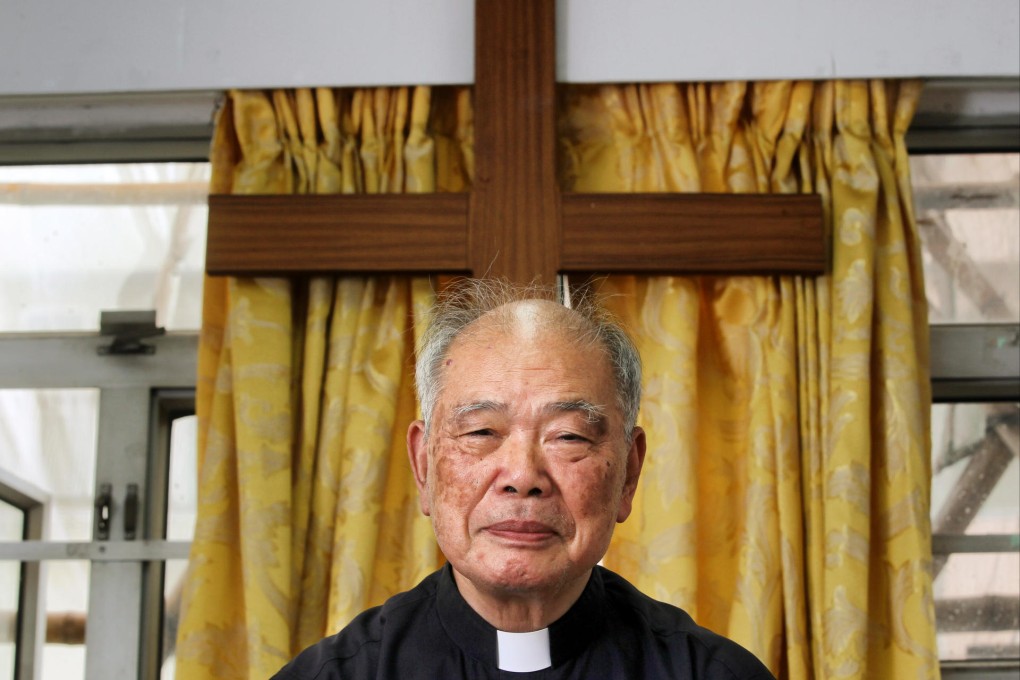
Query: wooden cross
[515,223]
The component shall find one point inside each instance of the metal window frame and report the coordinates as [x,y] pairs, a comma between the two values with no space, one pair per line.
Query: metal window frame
[985,670]
[167,406]
[972,362]
[31,622]
[107,128]
[976,363]
[966,115]
[135,390]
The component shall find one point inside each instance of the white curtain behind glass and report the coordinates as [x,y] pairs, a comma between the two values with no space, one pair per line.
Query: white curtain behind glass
[83,238]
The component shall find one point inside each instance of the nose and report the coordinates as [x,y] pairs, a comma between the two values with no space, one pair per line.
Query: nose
[522,470]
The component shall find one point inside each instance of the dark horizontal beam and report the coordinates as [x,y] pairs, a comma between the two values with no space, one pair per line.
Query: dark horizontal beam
[252,235]
[693,233]
[633,233]
[946,544]
[975,614]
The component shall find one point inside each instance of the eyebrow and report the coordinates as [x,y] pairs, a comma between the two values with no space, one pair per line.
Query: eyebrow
[593,414]
[487,405]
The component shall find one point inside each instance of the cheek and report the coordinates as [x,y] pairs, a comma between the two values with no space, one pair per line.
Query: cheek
[598,490]
[455,484]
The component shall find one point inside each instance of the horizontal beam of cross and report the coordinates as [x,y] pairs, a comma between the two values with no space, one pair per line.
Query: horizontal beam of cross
[428,233]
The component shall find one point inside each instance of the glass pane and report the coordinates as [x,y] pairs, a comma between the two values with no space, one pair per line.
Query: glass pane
[182,500]
[976,474]
[968,210]
[83,238]
[12,522]
[173,584]
[977,606]
[181,509]
[67,598]
[12,528]
[48,438]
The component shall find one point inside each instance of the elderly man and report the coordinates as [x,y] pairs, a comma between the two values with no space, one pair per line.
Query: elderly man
[527,457]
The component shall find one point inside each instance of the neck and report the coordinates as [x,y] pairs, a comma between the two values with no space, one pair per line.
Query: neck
[516,612]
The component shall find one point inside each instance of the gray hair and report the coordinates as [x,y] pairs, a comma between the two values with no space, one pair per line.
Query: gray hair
[463,303]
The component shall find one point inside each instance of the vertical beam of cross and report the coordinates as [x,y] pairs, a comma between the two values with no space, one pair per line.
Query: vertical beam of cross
[514,214]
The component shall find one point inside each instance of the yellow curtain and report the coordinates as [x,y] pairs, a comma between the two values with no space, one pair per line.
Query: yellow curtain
[307,514]
[785,496]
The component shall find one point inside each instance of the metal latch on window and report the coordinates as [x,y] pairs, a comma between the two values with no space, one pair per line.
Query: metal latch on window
[104,512]
[131,512]
[128,329]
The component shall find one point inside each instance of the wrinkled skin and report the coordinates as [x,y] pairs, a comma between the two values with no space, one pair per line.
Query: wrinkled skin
[527,468]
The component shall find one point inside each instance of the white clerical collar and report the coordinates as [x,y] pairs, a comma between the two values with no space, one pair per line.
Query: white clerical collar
[523,652]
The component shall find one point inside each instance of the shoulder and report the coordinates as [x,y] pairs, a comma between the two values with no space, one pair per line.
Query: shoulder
[677,638]
[354,651]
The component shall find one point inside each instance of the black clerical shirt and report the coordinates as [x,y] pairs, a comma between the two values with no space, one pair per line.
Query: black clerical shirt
[613,631]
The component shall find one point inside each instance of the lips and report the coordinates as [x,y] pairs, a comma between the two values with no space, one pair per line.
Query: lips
[522,531]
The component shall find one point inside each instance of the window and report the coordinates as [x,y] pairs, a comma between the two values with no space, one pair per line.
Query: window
[83,238]
[968,209]
[97,450]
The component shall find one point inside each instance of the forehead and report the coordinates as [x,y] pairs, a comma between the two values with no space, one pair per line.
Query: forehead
[522,324]
[528,318]
[528,343]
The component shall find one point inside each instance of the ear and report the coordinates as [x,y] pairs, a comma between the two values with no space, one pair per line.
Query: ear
[418,454]
[635,461]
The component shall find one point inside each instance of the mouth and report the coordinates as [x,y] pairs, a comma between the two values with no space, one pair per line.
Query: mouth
[522,532]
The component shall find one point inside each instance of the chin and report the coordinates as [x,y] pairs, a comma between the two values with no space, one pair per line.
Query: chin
[516,575]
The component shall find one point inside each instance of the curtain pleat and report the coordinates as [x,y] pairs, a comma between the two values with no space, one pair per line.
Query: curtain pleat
[784,501]
[307,514]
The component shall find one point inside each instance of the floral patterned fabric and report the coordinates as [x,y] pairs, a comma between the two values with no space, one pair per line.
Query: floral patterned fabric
[784,500]
[307,512]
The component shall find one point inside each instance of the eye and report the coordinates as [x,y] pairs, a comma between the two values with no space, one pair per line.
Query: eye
[570,437]
[483,432]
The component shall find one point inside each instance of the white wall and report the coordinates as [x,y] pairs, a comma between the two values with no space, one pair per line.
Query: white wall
[647,40]
[71,46]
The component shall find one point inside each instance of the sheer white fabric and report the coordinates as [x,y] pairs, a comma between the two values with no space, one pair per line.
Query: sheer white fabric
[83,238]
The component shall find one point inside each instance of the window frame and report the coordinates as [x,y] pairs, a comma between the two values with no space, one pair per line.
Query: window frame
[31,623]
[975,362]
[136,392]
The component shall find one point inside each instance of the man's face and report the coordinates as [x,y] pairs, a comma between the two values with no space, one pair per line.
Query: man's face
[527,467]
